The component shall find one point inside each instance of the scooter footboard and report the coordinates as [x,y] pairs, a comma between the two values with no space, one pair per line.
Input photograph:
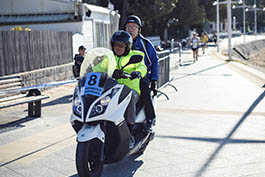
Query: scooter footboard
[89,132]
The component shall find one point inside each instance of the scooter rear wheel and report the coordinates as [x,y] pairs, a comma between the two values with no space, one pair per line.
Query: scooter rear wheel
[89,158]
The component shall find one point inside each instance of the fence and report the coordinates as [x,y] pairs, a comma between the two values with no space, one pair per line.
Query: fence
[164,68]
[22,51]
[164,71]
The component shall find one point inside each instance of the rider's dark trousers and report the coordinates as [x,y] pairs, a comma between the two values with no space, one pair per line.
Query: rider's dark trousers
[145,99]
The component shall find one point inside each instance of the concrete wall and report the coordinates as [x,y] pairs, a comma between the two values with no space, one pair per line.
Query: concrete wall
[250,49]
[47,75]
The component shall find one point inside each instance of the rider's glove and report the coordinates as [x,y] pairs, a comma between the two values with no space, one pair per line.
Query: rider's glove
[153,87]
[117,74]
[135,74]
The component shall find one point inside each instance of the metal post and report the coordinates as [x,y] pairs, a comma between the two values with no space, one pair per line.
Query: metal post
[244,21]
[255,11]
[217,24]
[244,17]
[229,29]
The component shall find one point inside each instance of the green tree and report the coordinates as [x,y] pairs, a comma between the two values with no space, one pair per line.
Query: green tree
[177,15]
[150,12]
[190,14]
[209,9]
[154,14]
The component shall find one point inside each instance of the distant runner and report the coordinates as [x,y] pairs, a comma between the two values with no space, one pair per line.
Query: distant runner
[204,40]
[195,44]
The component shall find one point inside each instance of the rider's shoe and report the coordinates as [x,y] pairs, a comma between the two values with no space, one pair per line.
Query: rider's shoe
[154,122]
[149,124]
[131,142]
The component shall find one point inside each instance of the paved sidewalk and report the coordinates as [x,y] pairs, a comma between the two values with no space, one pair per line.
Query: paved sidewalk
[214,123]
[212,127]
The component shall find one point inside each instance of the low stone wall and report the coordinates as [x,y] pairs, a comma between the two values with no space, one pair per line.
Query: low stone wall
[249,50]
[251,54]
[47,75]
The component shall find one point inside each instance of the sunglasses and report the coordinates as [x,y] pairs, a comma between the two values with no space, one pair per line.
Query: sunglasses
[131,27]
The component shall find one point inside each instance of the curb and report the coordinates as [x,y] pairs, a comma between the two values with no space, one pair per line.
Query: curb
[250,73]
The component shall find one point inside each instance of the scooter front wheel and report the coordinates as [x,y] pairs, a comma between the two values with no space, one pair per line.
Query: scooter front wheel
[89,158]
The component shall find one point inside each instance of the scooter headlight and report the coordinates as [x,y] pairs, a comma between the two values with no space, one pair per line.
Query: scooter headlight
[105,100]
[77,106]
[99,109]
[101,106]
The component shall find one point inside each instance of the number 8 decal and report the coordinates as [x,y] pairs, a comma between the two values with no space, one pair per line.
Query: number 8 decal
[92,85]
[92,80]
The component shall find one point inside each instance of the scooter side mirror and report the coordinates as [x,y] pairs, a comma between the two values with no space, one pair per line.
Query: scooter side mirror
[134,59]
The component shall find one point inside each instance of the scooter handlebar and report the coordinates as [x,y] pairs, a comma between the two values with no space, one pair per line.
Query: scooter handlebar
[126,75]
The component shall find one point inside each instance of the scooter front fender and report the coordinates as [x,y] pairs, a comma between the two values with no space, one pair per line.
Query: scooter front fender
[89,132]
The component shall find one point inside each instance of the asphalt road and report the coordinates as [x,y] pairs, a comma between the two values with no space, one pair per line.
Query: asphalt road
[213,126]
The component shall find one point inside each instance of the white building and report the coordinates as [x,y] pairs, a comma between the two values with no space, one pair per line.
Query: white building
[92,26]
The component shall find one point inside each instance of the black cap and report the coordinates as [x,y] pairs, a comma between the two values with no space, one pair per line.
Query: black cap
[133,19]
[82,48]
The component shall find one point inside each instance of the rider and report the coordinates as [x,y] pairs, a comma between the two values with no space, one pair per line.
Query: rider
[133,26]
[121,43]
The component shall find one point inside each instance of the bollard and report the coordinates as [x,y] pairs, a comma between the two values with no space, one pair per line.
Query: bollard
[171,45]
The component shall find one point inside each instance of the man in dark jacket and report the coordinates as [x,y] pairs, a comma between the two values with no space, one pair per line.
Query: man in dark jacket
[78,59]
[133,26]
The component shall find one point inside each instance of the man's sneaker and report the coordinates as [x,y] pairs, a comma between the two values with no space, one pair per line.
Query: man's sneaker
[154,122]
[131,142]
[149,124]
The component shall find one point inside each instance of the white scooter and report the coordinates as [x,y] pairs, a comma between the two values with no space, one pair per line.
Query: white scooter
[99,104]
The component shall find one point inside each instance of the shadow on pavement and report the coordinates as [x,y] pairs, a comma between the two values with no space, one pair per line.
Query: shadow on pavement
[187,74]
[15,124]
[62,100]
[227,139]
[195,73]
[223,141]
[33,152]
[186,63]
[213,140]
[211,45]
[125,168]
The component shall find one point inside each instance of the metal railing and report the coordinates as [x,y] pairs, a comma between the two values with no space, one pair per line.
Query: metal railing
[164,72]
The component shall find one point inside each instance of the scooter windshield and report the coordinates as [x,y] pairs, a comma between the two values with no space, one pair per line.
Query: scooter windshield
[95,76]
[97,67]
[98,60]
